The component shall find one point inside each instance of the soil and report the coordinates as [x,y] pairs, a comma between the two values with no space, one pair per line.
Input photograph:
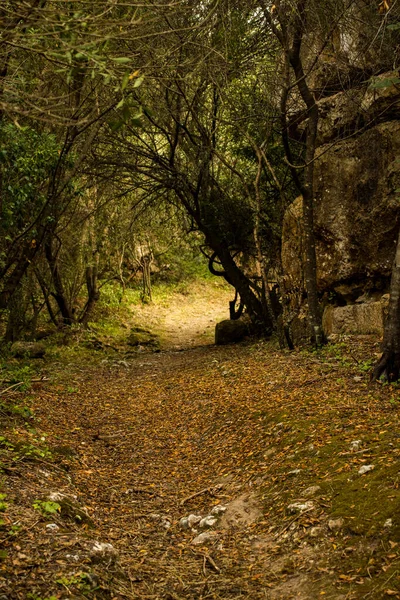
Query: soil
[101,462]
[188,319]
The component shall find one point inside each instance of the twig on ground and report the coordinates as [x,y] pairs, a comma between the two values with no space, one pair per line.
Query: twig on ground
[11,387]
[296,518]
[210,490]
[142,491]
[209,559]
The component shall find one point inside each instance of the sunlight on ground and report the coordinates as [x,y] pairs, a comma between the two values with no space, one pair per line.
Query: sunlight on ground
[188,317]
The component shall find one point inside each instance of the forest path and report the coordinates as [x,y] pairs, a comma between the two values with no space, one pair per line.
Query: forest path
[177,433]
[186,318]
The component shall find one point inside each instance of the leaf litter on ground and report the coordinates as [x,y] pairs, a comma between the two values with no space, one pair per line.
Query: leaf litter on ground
[280,438]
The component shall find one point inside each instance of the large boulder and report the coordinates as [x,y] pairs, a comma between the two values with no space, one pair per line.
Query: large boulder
[231,331]
[360,319]
[357,216]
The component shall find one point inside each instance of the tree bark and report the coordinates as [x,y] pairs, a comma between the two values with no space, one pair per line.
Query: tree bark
[388,366]
[307,190]
[240,282]
[292,52]
[93,292]
[59,293]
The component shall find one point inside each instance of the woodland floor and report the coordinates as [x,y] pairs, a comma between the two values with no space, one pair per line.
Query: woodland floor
[138,443]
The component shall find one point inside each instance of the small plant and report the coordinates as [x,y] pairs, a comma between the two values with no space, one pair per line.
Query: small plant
[31,596]
[47,507]
[13,374]
[6,443]
[3,504]
[30,450]
[14,529]
[365,365]
[82,581]
[3,507]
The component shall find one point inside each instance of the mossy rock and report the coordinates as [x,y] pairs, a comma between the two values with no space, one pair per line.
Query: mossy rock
[141,337]
[28,350]
[70,509]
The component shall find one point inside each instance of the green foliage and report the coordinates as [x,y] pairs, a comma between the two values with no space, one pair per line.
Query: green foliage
[366,365]
[378,83]
[27,159]
[31,596]
[81,581]
[3,503]
[47,507]
[26,451]
[14,373]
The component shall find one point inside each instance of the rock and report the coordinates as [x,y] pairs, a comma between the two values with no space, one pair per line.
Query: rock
[342,111]
[208,521]
[388,523]
[52,528]
[183,523]
[335,524]
[165,522]
[294,472]
[355,445]
[103,552]
[218,509]
[73,557]
[354,254]
[194,520]
[365,469]
[141,337]
[316,532]
[28,350]
[299,507]
[229,332]
[362,319]
[205,538]
[311,491]
[70,508]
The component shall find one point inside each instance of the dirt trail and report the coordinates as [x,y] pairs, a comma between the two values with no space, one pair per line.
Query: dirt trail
[142,443]
[187,320]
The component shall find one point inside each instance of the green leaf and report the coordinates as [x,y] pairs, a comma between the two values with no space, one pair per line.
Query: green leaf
[126,113]
[122,60]
[121,103]
[47,507]
[116,125]
[125,80]
[393,27]
[3,554]
[384,83]
[138,81]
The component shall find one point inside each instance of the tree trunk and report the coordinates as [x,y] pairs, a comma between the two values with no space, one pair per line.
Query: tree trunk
[93,293]
[307,190]
[59,293]
[388,365]
[241,283]
[16,316]
[293,58]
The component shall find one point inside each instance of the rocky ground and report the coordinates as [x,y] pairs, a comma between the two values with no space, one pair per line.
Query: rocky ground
[290,459]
